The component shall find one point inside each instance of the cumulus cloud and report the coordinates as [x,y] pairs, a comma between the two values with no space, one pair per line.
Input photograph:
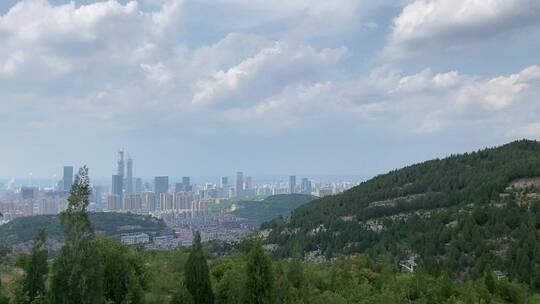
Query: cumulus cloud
[419,103]
[426,26]
[269,70]
[114,67]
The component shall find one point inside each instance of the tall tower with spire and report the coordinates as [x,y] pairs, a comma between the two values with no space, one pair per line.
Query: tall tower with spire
[120,163]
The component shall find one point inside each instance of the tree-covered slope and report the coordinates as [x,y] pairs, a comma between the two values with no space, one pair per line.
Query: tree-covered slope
[272,206]
[24,229]
[347,222]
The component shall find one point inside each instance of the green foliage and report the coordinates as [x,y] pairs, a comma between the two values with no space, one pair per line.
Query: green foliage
[3,298]
[457,215]
[182,296]
[77,273]
[197,274]
[490,282]
[36,269]
[230,289]
[296,273]
[24,229]
[476,177]
[259,277]
[124,275]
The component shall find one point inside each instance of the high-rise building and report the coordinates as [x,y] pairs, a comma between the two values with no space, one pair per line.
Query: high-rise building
[67,178]
[120,164]
[306,186]
[113,202]
[184,185]
[133,202]
[187,183]
[292,184]
[149,201]
[224,182]
[183,201]
[248,183]
[117,187]
[29,193]
[166,201]
[48,206]
[161,185]
[239,184]
[139,187]
[129,176]
[97,196]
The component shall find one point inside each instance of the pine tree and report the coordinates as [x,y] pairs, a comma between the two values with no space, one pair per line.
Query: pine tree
[231,287]
[260,278]
[36,269]
[197,274]
[77,273]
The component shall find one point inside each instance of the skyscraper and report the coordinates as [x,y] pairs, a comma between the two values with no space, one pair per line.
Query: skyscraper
[224,182]
[139,187]
[186,183]
[161,185]
[248,183]
[239,184]
[120,164]
[117,187]
[68,178]
[97,196]
[306,186]
[292,184]
[129,176]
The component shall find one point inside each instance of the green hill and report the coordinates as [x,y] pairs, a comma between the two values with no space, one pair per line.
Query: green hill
[272,206]
[24,229]
[464,215]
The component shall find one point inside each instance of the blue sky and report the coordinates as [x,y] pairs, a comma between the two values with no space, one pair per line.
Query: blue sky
[209,87]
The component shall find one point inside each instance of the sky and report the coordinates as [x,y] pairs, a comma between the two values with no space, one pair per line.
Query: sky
[211,87]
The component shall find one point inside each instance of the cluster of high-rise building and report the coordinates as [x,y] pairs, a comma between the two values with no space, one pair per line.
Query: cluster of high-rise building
[158,196]
[130,194]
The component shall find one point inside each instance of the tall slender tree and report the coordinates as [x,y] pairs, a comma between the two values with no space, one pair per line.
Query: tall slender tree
[197,274]
[77,273]
[36,269]
[259,278]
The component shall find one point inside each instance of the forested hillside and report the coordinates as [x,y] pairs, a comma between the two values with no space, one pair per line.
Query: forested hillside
[272,206]
[26,228]
[461,215]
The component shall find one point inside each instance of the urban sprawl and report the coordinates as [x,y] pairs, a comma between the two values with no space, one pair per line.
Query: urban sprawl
[183,206]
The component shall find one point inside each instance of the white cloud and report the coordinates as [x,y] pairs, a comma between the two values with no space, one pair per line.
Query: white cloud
[442,25]
[418,103]
[114,66]
[266,73]
[157,73]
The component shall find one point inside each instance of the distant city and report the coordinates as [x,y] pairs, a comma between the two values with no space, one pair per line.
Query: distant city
[182,204]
